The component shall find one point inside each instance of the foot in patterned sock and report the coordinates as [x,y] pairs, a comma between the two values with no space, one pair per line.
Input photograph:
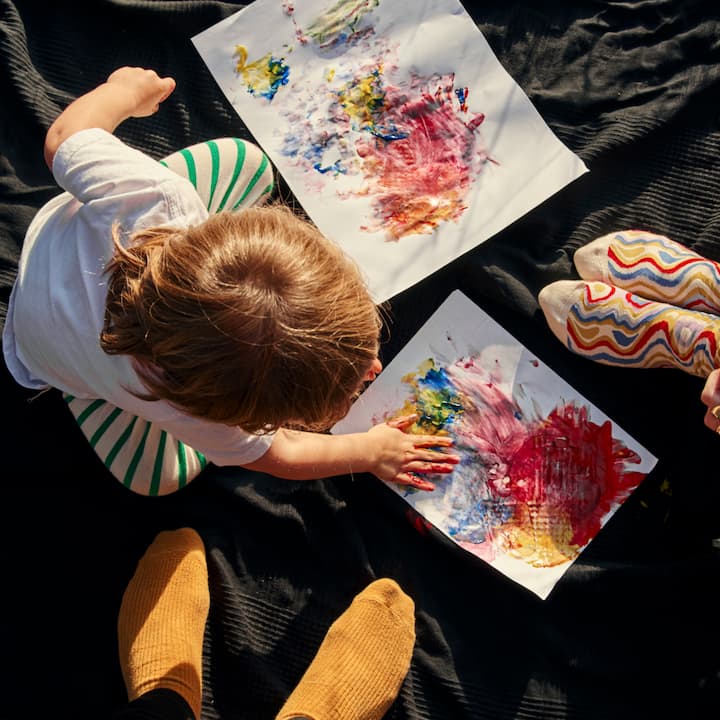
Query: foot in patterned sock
[362,662]
[615,327]
[162,618]
[653,267]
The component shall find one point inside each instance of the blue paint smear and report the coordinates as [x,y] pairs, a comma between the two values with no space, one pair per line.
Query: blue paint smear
[435,378]
[336,168]
[281,71]
[461,95]
[389,134]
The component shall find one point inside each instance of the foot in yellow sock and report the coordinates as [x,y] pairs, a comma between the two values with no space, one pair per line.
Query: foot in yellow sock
[653,267]
[615,327]
[162,618]
[360,666]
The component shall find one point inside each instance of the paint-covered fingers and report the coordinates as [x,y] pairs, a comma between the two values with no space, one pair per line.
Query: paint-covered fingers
[398,456]
[403,422]
[421,455]
[430,441]
[424,458]
[422,462]
[419,466]
[711,399]
[418,483]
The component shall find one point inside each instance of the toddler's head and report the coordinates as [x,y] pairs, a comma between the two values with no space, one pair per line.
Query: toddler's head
[253,318]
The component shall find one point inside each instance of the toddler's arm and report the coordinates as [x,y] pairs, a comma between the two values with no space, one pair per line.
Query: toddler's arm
[385,450]
[128,92]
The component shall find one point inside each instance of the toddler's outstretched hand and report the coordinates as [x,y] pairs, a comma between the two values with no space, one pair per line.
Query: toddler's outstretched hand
[128,92]
[145,89]
[399,455]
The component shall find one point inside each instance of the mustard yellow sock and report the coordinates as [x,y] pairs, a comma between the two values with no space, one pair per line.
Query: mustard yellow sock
[362,662]
[162,618]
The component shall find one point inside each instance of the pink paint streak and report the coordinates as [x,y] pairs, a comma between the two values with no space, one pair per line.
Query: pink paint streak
[571,469]
[423,179]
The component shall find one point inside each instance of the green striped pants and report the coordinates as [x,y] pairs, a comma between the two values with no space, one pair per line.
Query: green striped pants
[228,174]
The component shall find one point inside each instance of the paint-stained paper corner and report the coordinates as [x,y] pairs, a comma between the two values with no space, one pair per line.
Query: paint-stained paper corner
[393,123]
[542,470]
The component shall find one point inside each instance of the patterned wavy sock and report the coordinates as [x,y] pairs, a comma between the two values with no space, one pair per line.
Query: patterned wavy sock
[653,267]
[362,662]
[162,618]
[615,327]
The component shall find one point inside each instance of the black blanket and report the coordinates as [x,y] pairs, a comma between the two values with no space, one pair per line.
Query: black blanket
[631,631]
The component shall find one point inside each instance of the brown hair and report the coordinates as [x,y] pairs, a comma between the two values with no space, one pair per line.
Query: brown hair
[252,318]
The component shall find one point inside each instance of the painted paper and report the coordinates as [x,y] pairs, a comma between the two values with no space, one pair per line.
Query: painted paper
[542,470]
[393,123]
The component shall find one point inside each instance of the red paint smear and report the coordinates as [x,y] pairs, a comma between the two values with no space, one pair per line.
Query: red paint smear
[492,423]
[568,466]
[421,525]
[423,178]
[496,430]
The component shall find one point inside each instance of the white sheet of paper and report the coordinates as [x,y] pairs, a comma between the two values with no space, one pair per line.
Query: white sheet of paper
[373,113]
[542,470]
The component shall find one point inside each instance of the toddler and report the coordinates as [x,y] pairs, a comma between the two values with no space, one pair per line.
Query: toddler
[186,324]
